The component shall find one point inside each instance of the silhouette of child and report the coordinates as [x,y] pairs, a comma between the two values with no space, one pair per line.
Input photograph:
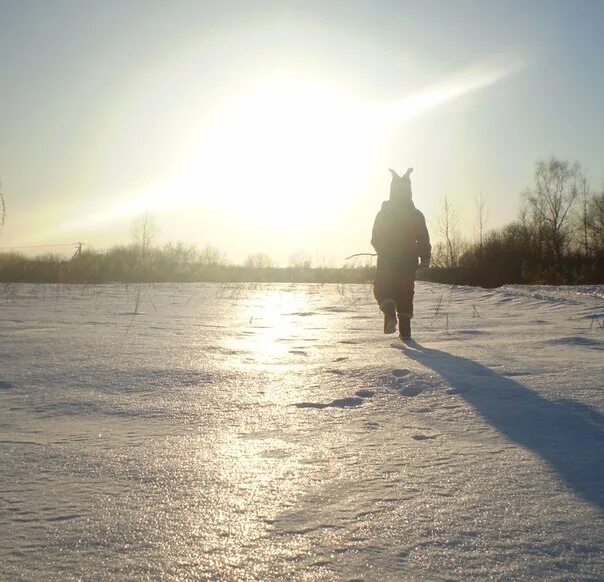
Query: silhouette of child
[399,237]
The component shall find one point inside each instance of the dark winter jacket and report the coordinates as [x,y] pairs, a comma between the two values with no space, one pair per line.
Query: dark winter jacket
[400,236]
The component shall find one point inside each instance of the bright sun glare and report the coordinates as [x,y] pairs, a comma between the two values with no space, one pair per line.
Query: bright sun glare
[293,151]
[285,151]
[290,152]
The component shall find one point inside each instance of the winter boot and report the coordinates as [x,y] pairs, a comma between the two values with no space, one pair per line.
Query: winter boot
[388,307]
[404,322]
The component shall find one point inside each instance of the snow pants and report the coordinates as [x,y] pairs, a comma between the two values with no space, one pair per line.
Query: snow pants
[398,285]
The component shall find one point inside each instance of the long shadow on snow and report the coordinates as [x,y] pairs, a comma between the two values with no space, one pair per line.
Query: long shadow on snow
[568,435]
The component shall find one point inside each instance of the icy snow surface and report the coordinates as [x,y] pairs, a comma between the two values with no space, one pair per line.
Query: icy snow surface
[272,432]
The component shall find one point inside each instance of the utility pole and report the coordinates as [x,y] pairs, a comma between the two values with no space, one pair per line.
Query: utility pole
[78,252]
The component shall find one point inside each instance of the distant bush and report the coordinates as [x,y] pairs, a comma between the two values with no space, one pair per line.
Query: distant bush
[172,263]
[517,254]
[558,239]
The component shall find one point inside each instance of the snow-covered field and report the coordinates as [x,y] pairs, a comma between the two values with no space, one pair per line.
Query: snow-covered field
[271,432]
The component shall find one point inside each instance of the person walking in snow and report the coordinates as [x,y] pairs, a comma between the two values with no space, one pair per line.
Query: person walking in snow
[399,238]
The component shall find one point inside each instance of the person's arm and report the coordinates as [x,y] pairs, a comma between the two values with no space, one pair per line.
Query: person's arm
[424,248]
[377,234]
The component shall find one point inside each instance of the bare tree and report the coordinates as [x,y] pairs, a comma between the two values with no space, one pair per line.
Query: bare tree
[300,260]
[448,219]
[2,207]
[596,221]
[551,199]
[481,219]
[144,231]
[211,256]
[259,261]
[584,193]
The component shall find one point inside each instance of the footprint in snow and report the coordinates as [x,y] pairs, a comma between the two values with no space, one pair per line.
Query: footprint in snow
[412,391]
[349,402]
[298,352]
[365,393]
[310,405]
[400,372]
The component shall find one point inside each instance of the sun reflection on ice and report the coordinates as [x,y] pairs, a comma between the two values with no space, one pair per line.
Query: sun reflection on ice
[262,454]
[277,328]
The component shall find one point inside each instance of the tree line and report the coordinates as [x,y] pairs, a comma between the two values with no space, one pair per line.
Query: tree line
[146,263]
[558,237]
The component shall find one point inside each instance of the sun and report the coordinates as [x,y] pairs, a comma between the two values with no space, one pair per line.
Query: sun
[286,151]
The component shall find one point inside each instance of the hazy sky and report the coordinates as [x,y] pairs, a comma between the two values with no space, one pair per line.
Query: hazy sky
[270,125]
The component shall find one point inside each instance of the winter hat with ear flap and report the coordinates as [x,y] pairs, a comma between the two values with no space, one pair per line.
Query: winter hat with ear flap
[400,186]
